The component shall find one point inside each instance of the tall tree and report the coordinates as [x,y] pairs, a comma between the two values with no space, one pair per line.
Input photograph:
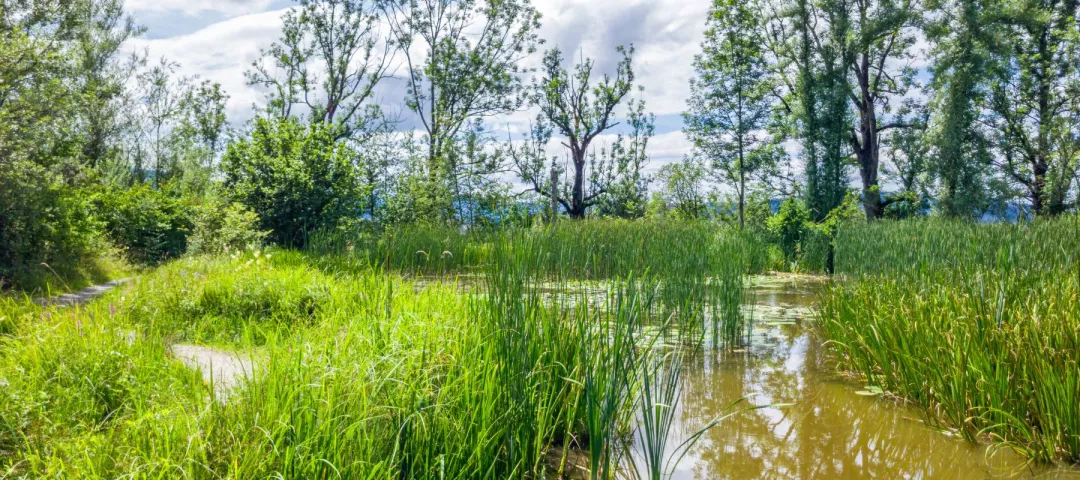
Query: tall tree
[613,179]
[100,30]
[731,99]
[463,59]
[876,38]
[162,94]
[809,65]
[964,36]
[683,185]
[580,110]
[36,94]
[1035,102]
[204,121]
[329,59]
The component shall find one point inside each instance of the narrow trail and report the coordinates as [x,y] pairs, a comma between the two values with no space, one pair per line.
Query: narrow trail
[220,368]
[82,296]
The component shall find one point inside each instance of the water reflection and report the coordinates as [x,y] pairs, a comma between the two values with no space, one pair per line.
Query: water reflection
[828,431]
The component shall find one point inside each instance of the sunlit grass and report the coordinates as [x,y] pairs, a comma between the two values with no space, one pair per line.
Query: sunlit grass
[979,324]
[366,372]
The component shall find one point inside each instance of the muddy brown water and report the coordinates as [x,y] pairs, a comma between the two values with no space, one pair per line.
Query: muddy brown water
[828,431]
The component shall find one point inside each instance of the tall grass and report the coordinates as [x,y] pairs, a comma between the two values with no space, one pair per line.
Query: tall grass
[979,324]
[362,371]
[592,250]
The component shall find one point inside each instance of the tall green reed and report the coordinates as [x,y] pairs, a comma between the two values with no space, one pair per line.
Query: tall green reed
[976,323]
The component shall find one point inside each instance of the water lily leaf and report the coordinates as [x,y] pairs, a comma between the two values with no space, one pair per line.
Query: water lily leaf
[870,391]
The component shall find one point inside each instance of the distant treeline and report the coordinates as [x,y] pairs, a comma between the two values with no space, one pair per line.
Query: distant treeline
[933,107]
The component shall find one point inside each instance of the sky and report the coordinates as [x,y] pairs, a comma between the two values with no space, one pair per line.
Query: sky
[219,39]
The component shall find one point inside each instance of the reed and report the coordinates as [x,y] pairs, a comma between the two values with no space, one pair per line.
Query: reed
[978,324]
[363,370]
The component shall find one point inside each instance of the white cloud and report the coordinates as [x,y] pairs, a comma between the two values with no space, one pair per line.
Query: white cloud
[195,7]
[222,52]
[666,34]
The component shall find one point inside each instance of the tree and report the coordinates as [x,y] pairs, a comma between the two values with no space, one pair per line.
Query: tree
[297,178]
[204,121]
[683,186]
[469,72]
[876,40]
[580,111]
[808,55]
[101,29]
[35,92]
[731,99]
[329,59]
[161,95]
[44,213]
[1035,102]
[964,37]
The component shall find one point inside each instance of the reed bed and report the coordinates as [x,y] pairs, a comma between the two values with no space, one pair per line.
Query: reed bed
[591,250]
[978,324]
[364,371]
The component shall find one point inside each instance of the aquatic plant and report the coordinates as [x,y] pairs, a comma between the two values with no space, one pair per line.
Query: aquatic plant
[978,324]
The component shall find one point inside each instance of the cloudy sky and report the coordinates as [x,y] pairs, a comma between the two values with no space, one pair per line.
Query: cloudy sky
[219,40]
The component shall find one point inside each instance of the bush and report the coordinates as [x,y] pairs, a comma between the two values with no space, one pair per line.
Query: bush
[789,226]
[296,178]
[42,220]
[221,228]
[150,225]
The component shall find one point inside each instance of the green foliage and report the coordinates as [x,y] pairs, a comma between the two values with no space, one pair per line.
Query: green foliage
[42,220]
[296,178]
[224,228]
[731,100]
[789,227]
[148,224]
[682,193]
[975,323]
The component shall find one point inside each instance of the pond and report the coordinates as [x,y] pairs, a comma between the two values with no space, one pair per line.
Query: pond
[829,430]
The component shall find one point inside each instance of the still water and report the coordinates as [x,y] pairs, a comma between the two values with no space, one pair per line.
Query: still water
[828,431]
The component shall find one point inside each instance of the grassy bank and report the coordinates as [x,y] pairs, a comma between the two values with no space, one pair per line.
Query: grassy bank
[43,280]
[978,324]
[363,372]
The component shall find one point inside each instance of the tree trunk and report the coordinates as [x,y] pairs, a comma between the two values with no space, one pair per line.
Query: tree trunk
[867,144]
[577,198]
[742,190]
[554,194]
[1038,187]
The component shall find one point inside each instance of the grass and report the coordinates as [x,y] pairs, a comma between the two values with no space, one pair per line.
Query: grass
[978,324]
[365,371]
[44,280]
[507,350]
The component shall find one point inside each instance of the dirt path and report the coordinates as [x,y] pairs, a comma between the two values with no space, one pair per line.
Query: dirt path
[82,296]
[222,369]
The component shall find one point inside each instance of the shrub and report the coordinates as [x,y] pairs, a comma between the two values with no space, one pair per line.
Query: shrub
[296,178]
[42,220]
[789,226]
[223,228]
[150,225]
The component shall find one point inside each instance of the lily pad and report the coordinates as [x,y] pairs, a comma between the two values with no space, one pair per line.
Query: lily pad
[871,391]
